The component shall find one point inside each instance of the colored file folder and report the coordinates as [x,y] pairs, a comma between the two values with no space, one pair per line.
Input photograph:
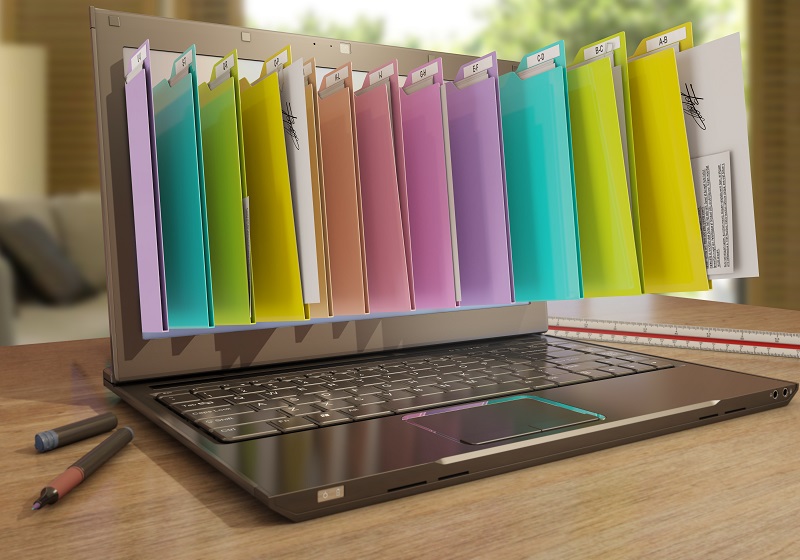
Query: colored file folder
[479,189]
[343,193]
[324,307]
[434,242]
[545,248]
[385,247]
[295,125]
[183,199]
[226,192]
[672,258]
[277,289]
[145,192]
[608,251]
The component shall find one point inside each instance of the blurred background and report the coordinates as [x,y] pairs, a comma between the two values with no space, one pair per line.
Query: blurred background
[48,143]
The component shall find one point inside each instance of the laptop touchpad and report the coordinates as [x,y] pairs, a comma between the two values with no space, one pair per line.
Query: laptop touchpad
[499,419]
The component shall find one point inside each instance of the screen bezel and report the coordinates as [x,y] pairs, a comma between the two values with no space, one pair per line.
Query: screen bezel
[135,358]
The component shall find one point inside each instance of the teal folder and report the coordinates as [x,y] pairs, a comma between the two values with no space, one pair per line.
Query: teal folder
[540,178]
[183,213]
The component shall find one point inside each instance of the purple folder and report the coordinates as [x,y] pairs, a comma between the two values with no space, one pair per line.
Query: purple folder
[430,216]
[387,272]
[479,188]
[144,186]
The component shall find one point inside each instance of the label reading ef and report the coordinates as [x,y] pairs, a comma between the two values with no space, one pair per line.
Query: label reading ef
[330,494]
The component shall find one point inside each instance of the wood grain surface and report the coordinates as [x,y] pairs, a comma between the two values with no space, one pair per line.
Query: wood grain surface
[729,490]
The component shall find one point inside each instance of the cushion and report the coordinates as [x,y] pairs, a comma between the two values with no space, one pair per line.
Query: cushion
[14,210]
[42,262]
[80,223]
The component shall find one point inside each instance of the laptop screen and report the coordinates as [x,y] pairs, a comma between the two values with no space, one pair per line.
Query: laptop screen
[135,356]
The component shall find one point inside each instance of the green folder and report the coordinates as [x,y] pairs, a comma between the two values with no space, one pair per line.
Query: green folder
[182,197]
[226,192]
[597,109]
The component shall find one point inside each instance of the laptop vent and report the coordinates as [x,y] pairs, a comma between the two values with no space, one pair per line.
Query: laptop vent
[407,486]
[453,475]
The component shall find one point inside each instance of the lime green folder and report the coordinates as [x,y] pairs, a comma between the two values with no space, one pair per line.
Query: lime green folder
[223,158]
[608,249]
[275,265]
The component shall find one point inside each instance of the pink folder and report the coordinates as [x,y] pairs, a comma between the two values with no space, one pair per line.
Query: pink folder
[144,187]
[343,193]
[479,185]
[433,246]
[388,273]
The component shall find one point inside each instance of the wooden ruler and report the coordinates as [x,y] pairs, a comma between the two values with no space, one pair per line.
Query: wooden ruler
[760,343]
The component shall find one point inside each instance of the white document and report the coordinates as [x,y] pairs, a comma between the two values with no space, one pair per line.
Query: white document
[712,90]
[295,127]
[712,176]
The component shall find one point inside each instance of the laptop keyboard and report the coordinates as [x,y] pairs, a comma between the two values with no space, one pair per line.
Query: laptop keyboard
[259,405]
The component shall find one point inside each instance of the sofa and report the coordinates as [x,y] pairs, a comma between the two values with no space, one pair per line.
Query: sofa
[71,228]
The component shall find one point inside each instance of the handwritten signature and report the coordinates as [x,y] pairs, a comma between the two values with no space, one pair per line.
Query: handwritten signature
[288,125]
[691,106]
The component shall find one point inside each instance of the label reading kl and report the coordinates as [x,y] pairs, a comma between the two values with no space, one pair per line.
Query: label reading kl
[337,76]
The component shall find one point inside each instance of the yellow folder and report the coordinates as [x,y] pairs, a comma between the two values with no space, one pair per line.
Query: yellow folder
[277,289]
[596,102]
[669,228]
[223,160]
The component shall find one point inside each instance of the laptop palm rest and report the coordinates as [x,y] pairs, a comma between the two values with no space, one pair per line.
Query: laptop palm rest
[500,419]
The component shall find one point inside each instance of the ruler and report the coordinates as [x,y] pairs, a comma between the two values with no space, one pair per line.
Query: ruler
[759,343]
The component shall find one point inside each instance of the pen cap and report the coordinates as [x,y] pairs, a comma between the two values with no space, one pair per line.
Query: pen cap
[77,431]
[103,452]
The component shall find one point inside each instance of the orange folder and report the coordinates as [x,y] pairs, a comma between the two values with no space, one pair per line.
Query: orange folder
[343,193]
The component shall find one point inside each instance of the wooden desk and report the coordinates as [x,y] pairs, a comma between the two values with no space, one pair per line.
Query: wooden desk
[730,489]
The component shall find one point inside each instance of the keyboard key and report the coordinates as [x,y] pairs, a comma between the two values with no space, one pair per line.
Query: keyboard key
[424,391]
[217,411]
[302,399]
[300,410]
[332,395]
[594,373]
[245,431]
[330,418]
[333,404]
[366,399]
[278,385]
[567,378]
[242,390]
[367,411]
[612,361]
[308,382]
[236,419]
[431,401]
[658,364]
[244,399]
[455,386]
[583,365]
[394,395]
[562,353]
[504,378]
[538,383]
[569,359]
[616,370]
[293,424]
[283,393]
[198,405]
[270,404]
[366,390]
[639,368]
[178,398]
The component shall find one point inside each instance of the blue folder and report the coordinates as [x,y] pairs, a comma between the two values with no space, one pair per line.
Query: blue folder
[182,187]
[540,178]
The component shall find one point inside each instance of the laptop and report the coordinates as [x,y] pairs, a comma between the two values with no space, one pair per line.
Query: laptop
[333,415]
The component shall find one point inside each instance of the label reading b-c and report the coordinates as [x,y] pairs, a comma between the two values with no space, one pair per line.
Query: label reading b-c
[330,494]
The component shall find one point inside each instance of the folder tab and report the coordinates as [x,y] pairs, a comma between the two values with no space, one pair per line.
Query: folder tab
[343,193]
[324,307]
[597,110]
[181,175]
[545,248]
[476,150]
[145,192]
[385,246]
[226,193]
[277,286]
[431,209]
